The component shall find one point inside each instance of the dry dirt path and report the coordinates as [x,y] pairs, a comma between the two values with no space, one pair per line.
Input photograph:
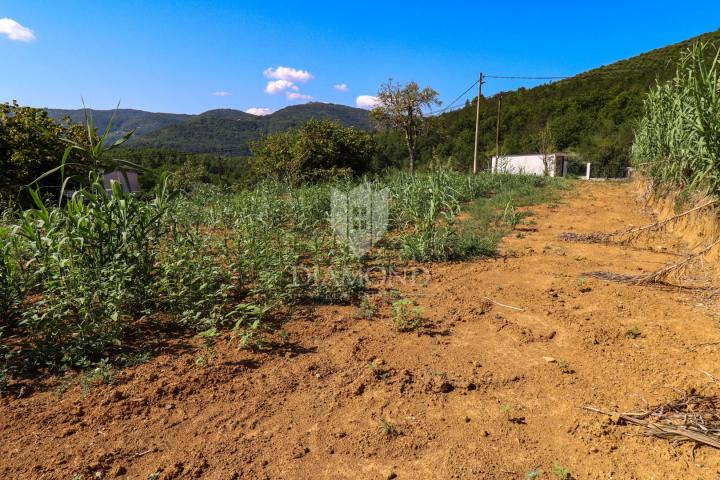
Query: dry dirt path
[472,397]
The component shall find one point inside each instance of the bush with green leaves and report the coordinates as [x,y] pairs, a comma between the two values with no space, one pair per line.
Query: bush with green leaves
[320,149]
[406,316]
[31,143]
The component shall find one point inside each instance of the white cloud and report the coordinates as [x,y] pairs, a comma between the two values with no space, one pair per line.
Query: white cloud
[222,93]
[288,73]
[297,96]
[14,31]
[341,87]
[367,101]
[278,86]
[258,111]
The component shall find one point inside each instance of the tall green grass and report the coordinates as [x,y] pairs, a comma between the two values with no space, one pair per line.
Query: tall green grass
[677,140]
[79,278]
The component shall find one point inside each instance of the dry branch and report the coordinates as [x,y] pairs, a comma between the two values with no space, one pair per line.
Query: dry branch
[630,234]
[692,418]
[661,275]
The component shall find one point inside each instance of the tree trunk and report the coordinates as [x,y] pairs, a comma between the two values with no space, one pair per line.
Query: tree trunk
[411,152]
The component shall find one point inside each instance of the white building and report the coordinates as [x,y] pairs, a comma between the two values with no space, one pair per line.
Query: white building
[128,178]
[531,164]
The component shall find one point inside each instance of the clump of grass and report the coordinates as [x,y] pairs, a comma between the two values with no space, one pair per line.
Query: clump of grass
[561,472]
[250,327]
[533,474]
[581,285]
[102,373]
[207,356]
[366,310]
[565,367]
[511,216]
[388,428]
[633,332]
[406,316]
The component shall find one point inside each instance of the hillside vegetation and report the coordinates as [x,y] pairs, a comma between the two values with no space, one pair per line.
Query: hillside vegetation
[225,132]
[124,120]
[592,114]
[677,142]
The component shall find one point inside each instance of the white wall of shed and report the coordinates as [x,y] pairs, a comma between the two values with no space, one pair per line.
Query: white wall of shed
[129,184]
[523,164]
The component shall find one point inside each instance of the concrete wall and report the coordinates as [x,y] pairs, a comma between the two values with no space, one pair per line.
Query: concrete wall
[528,164]
[129,184]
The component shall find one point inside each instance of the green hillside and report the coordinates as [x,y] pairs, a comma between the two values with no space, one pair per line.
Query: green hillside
[591,114]
[124,121]
[228,132]
[224,131]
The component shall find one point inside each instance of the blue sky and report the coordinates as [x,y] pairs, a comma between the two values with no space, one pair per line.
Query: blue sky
[180,56]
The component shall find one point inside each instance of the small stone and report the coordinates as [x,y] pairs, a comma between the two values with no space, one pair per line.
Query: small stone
[119,471]
[392,475]
[549,359]
[169,406]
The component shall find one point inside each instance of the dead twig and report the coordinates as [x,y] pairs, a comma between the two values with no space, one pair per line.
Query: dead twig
[659,276]
[691,418]
[503,305]
[630,234]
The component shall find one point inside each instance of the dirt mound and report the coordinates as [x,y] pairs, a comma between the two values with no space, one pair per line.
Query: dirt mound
[490,388]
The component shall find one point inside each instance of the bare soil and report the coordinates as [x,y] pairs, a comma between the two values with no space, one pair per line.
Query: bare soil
[491,388]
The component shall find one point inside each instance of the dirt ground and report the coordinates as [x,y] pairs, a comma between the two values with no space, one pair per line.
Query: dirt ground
[471,396]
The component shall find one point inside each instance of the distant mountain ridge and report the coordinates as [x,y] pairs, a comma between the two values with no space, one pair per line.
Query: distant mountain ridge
[125,120]
[220,131]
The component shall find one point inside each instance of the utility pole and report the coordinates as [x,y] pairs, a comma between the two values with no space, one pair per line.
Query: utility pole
[497,135]
[477,124]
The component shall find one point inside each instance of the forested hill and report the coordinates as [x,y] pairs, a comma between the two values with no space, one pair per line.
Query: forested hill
[125,119]
[225,133]
[219,132]
[591,114]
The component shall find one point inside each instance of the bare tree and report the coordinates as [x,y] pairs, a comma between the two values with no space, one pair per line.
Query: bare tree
[546,147]
[401,107]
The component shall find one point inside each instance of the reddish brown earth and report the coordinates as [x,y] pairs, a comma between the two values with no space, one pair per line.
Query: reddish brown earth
[470,397]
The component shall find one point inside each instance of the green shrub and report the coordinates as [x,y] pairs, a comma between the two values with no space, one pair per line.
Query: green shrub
[406,316]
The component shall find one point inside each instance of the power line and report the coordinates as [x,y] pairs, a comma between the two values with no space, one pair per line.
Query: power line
[524,78]
[437,112]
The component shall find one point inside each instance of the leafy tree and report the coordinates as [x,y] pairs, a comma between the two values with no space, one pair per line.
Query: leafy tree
[31,143]
[188,176]
[317,149]
[401,107]
[546,147]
